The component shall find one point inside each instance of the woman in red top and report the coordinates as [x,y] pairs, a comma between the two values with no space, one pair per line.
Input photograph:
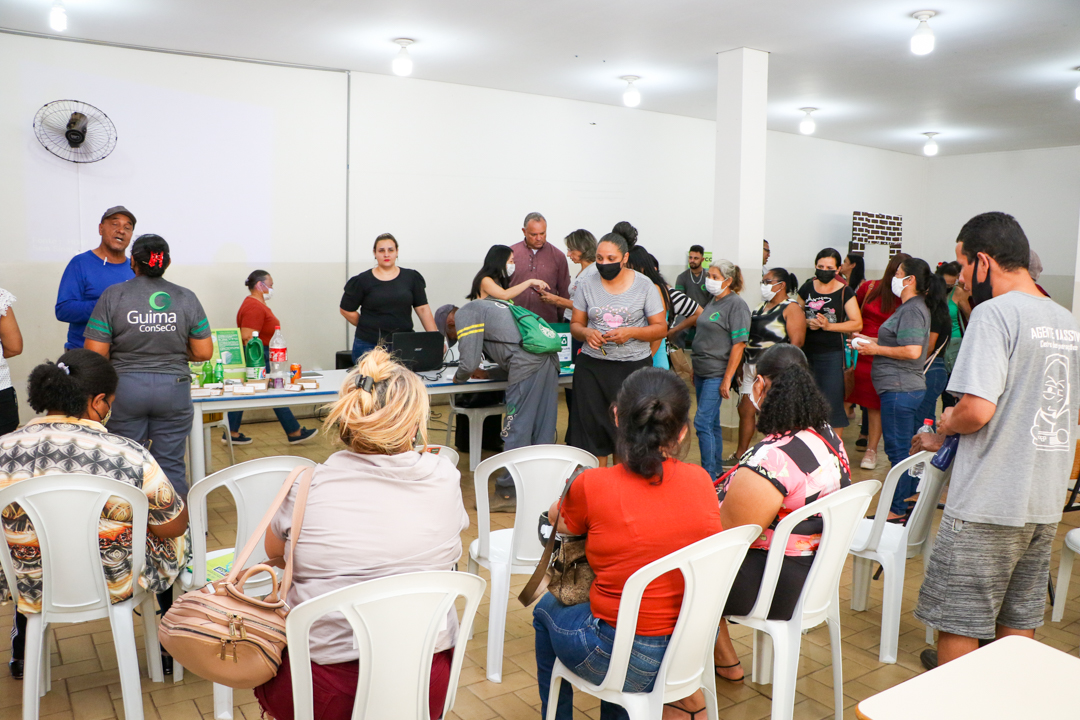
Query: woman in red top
[646,507]
[255,317]
[878,303]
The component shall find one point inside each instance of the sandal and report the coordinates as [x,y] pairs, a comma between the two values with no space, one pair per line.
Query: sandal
[688,712]
[730,680]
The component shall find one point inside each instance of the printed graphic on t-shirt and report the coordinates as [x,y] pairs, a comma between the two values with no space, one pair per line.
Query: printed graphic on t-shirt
[1050,431]
[609,317]
[816,305]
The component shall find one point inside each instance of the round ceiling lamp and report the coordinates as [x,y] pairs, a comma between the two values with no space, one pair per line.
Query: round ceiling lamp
[807,126]
[922,42]
[631,97]
[930,149]
[402,64]
[1077,91]
[58,17]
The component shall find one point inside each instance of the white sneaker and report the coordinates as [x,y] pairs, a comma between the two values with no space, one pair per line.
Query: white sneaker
[869,461]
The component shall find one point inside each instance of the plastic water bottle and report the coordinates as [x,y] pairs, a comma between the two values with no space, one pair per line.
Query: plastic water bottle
[279,357]
[919,469]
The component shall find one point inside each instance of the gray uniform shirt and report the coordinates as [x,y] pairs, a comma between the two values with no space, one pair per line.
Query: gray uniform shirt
[721,325]
[909,325]
[694,289]
[1021,353]
[632,308]
[487,327]
[147,322]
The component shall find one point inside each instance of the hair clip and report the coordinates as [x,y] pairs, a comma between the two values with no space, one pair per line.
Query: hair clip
[365,382]
[157,258]
[65,368]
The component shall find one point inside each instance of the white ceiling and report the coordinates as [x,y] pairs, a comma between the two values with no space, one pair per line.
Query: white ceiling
[1001,77]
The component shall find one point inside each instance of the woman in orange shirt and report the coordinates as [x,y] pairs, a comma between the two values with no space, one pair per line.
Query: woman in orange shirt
[646,507]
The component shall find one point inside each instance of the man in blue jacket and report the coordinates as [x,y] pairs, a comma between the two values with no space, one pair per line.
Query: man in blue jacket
[89,273]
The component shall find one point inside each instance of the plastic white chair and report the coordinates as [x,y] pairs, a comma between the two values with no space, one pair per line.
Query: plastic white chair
[208,427]
[889,544]
[1068,553]
[476,427]
[395,621]
[444,451]
[540,473]
[253,485]
[778,662]
[65,510]
[709,567]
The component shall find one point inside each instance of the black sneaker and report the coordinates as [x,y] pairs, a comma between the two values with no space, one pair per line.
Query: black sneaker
[16,668]
[305,434]
[928,658]
[240,439]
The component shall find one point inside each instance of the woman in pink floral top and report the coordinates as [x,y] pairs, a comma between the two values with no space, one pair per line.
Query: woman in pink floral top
[800,460]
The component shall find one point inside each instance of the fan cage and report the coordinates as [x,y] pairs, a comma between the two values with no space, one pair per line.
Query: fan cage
[50,124]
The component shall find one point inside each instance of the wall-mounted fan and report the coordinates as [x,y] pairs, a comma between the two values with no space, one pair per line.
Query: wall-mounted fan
[75,131]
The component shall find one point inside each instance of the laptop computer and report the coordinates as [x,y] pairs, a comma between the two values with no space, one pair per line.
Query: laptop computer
[419,351]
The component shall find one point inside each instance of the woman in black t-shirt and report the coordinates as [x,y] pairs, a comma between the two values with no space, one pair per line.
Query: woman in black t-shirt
[380,301]
[937,376]
[831,311]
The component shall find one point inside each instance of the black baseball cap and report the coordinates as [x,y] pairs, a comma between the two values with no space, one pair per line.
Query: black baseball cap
[118,210]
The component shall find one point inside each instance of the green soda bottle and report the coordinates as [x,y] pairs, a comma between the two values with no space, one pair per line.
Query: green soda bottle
[255,357]
[219,372]
[207,374]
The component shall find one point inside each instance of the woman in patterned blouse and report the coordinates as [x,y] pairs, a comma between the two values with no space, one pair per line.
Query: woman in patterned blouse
[76,394]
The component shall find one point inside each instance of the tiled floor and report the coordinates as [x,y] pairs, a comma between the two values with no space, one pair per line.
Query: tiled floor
[86,685]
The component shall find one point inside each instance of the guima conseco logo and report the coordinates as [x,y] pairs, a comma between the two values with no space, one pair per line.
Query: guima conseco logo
[158,319]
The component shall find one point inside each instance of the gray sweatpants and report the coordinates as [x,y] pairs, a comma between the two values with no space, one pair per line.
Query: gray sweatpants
[158,408]
[532,409]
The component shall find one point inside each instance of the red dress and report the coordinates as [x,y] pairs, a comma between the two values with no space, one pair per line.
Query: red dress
[873,317]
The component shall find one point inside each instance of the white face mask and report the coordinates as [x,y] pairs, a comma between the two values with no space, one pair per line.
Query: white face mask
[268,292]
[898,285]
[767,293]
[510,268]
[751,396]
[714,287]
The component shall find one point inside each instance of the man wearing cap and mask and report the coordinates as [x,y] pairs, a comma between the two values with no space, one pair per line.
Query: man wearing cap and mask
[89,273]
[486,328]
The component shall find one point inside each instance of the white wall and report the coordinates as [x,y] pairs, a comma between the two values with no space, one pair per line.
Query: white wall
[237,165]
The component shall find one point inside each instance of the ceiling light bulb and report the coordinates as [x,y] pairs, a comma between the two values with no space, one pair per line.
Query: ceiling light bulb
[807,126]
[930,148]
[922,42]
[1077,87]
[632,96]
[402,64]
[58,17]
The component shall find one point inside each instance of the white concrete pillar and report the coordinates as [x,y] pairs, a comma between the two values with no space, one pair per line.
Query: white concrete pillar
[1076,282]
[739,202]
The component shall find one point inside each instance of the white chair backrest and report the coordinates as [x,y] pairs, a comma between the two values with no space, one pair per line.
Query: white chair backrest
[709,567]
[253,485]
[841,512]
[395,622]
[540,473]
[65,510]
[888,489]
[922,516]
[444,452]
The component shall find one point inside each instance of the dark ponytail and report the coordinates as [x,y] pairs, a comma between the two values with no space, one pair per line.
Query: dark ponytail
[151,254]
[793,402]
[628,232]
[68,385]
[920,270]
[791,283]
[653,408]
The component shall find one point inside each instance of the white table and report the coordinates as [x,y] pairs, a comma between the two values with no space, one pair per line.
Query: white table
[329,385]
[1012,678]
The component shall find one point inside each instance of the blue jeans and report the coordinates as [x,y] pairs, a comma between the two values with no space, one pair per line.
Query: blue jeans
[583,643]
[937,377]
[899,421]
[710,437]
[284,415]
[359,347]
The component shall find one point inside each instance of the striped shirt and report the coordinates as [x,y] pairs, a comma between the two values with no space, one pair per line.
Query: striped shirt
[631,308]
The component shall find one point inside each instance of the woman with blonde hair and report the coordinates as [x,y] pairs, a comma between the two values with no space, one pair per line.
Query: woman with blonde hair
[376,508]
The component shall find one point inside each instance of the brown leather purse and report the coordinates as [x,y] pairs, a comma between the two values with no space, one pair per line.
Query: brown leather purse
[225,636]
[564,572]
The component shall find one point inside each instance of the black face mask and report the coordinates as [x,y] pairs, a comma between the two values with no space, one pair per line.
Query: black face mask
[825,276]
[609,271]
[980,291]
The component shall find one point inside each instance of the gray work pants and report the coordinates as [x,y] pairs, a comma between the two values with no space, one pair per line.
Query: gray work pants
[532,409]
[156,407]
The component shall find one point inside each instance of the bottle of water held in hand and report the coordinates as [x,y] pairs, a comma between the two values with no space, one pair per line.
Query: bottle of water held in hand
[279,356]
[919,469]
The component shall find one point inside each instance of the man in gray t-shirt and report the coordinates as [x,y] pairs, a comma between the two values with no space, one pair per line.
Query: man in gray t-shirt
[1016,375]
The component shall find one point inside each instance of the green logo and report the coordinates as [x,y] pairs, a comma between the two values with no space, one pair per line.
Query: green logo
[715,317]
[160,301]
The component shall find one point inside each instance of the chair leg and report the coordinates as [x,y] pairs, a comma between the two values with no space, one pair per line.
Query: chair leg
[500,596]
[450,415]
[860,583]
[150,638]
[892,597]
[207,431]
[553,696]
[37,652]
[474,569]
[787,644]
[123,632]
[228,441]
[761,670]
[833,622]
[223,702]
[925,560]
[476,439]
[1064,576]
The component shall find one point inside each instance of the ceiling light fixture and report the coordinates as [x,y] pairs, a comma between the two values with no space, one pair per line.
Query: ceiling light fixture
[1077,87]
[922,42]
[402,64]
[807,126]
[632,96]
[930,148]
[58,17]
